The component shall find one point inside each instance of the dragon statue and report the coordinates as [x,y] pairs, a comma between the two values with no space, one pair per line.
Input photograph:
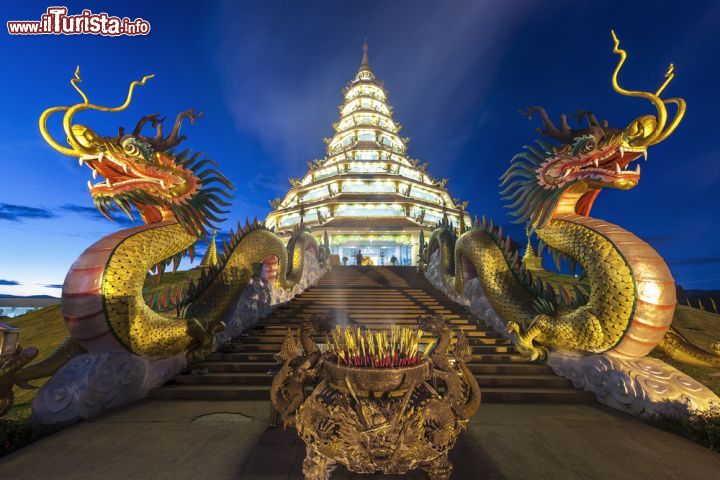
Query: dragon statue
[178,196]
[625,298]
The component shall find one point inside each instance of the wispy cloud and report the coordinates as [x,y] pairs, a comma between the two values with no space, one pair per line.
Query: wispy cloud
[8,282]
[286,100]
[19,213]
[263,183]
[94,213]
[53,285]
[693,261]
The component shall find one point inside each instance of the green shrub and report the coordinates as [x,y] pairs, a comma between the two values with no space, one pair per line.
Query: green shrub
[701,427]
[17,429]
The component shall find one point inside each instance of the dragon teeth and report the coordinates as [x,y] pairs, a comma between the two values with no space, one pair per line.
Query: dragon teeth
[644,153]
[617,168]
[107,183]
[622,152]
[89,185]
[637,169]
[596,162]
[567,172]
[94,174]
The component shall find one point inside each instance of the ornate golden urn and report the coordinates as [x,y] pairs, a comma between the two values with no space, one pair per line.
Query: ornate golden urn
[384,402]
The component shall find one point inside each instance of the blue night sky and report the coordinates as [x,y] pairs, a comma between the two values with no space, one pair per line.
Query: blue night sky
[268,76]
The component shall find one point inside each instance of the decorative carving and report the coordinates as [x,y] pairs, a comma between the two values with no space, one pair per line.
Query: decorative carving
[380,418]
[642,386]
[93,383]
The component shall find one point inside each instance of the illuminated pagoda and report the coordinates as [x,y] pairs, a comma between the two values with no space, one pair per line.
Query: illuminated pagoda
[367,194]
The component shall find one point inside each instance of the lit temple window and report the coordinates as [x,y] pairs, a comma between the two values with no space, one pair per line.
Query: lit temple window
[290,219]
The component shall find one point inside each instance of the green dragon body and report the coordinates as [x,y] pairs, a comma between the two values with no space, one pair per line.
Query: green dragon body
[625,299]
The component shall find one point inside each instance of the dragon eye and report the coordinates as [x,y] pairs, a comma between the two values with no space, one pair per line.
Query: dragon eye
[130,147]
[133,147]
[589,146]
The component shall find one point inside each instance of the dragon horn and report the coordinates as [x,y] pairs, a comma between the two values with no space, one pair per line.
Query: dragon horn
[76,147]
[174,139]
[659,131]
[153,119]
[550,129]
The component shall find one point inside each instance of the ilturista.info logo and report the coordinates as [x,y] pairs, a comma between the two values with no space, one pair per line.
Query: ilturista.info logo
[56,21]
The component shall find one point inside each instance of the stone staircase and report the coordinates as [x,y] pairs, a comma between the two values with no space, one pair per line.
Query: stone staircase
[376,297]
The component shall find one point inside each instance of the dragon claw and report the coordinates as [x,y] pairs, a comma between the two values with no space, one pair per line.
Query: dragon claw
[524,344]
[203,340]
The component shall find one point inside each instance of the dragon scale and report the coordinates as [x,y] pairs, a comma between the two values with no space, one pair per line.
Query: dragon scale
[631,299]
[625,300]
[116,267]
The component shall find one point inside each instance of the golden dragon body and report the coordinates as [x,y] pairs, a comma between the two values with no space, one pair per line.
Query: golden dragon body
[178,196]
[625,299]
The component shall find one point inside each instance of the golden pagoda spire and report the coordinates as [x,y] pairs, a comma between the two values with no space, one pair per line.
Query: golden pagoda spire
[365,65]
[365,72]
[210,259]
[530,258]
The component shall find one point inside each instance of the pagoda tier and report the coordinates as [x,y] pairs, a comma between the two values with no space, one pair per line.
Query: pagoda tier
[366,193]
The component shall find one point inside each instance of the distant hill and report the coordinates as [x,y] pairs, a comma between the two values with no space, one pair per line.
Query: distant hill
[2,295]
[29,301]
[43,329]
[710,299]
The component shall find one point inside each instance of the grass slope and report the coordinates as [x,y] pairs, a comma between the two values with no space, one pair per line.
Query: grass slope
[702,328]
[43,329]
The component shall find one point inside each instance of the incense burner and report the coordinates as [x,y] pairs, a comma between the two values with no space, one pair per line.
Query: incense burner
[376,418]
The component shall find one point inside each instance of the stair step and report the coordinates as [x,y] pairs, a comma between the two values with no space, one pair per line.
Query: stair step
[212,392]
[262,378]
[277,340]
[262,392]
[371,297]
[409,313]
[277,335]
[283,325]
[488,355]
[269,347]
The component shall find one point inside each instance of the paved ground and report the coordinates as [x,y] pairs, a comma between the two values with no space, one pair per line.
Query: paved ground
[230,440]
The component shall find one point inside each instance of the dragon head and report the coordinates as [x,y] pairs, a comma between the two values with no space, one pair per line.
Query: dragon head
[143,172]
[566,176]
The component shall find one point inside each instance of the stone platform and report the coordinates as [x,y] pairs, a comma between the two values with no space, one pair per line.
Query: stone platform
[177,440]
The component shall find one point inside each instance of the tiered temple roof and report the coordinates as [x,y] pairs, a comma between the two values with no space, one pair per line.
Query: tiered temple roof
[366,178]
[366,193]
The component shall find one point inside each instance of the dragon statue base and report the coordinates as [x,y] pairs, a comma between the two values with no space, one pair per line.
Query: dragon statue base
[640,386]
[645,387]
[96,382]
[375,418]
